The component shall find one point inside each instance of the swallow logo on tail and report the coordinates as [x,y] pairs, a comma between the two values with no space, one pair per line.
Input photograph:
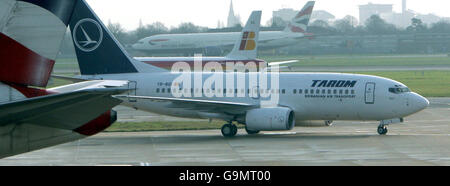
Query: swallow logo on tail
[84,31]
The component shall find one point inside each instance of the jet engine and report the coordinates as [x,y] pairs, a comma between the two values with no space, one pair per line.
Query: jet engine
[270,119]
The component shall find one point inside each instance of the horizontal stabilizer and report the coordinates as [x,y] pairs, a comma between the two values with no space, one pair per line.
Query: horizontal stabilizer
[62,111]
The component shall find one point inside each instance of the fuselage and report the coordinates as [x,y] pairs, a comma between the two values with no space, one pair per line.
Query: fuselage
[312,96]
[224,41]
[169,62]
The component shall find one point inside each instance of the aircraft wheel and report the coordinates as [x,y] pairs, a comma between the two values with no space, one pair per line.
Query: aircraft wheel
[329,123]
[235,130]
[229,130]
[251,131]
[382,130]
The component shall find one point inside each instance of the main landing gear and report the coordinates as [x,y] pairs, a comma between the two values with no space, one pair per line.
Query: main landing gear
[382,129]
[229,130]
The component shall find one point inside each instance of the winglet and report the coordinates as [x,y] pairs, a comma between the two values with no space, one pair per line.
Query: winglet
[246,46]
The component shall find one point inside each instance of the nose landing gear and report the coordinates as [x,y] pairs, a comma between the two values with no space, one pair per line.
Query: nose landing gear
[382,128]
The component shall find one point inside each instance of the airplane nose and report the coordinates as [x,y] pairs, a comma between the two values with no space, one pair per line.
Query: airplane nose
[421,102]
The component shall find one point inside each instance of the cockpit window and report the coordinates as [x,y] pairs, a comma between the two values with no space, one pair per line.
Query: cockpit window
[399,90]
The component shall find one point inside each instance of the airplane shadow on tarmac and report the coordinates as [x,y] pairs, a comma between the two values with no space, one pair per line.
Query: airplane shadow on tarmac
[199,139]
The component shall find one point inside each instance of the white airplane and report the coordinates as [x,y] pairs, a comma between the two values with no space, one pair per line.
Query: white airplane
[200,42]
[32,118]
[245,50]
[301,96]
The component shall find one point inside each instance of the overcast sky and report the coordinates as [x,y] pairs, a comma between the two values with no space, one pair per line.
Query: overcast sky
[209,12]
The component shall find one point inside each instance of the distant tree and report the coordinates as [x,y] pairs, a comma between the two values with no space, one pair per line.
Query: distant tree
[440,27]
[346,25]
[144,31]
[320,23]
[118,31]
[157,28]
[188,28]
[321,27]
[376,25]
[276,22]
[416,26]
[361,30]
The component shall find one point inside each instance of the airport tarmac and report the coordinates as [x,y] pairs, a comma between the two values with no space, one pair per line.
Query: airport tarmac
[424,139]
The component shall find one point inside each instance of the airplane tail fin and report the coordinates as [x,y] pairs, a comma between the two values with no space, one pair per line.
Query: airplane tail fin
[28,49]
[246,46]
[98,51]
[299,23]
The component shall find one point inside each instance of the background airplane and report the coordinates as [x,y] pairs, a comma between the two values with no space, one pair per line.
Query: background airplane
[302,96]
[32,118]
[201,42]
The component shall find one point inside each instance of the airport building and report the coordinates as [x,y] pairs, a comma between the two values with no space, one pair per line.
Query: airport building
[401,20]
[366,11]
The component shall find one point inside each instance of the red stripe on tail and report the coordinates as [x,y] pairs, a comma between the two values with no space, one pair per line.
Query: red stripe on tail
[31,92]
[98,124]
[20,65]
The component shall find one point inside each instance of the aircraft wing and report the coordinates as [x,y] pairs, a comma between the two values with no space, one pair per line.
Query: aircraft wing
[199,105]
[66,78]
[282,62]
[61,111]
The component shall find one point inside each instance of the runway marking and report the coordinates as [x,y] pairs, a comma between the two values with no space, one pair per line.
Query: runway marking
[280,133]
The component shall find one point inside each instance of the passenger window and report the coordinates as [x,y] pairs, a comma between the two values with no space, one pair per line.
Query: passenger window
[157,90]
[295,91]
[329,91]
[353,91]
[341,91]
[283,91]
[334,91]
[300,91]
[306,91]
[346,92]
[317,91]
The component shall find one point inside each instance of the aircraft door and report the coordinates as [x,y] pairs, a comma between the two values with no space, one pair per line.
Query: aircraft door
[132,86]
[370,93]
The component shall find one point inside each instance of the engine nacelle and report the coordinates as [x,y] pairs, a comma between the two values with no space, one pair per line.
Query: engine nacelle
[270,119]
